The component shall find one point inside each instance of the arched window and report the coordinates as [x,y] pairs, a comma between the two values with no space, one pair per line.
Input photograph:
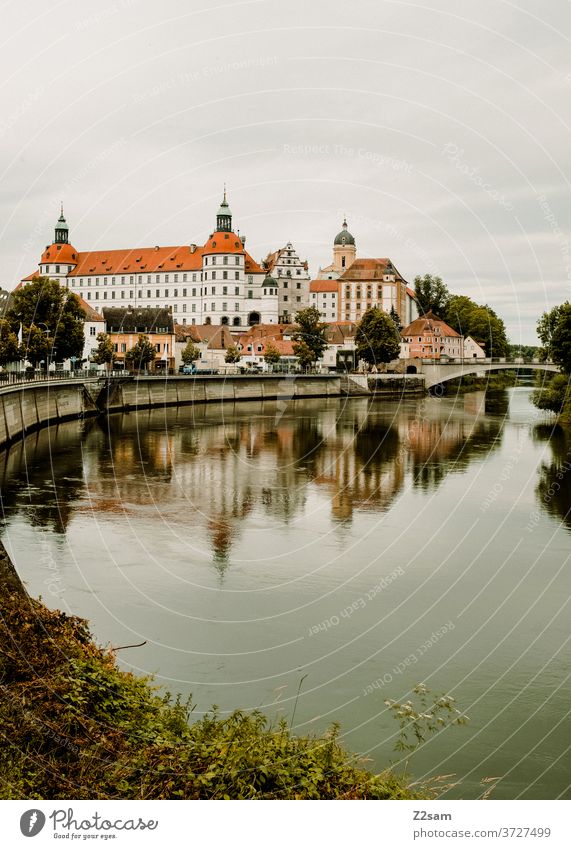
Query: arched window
[237,321]
[254,318]
[224,320]
[207,320]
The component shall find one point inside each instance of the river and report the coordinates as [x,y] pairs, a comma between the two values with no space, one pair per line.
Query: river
[345,549]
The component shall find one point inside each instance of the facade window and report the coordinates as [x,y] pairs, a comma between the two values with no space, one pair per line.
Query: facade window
[225,261]
[157,293]
[175,293]
[236,307]
[194,293]
[213,275]
[285,298]
[97,296]
[116,347]
[166,293]
[184,293]
[213,307]
[176,278]
[148,293]
[184,307]
[237,260]
[157,278]
[193,308]
[57,269]
[214,290]
[140,293]
[184,278]
[140,280]
[123,347]
[225,275]
[131,294]
[250,293]
[213,260]
[250,279]
[166,278]
[89,296]
[113,295]
[92,331]
[194,278]
[122,280]
[236,290]
[236,275]
[285,284]
[225,290]
[158,347]
[298,285]
[224,306]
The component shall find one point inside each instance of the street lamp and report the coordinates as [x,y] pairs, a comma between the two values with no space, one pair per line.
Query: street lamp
[43,324]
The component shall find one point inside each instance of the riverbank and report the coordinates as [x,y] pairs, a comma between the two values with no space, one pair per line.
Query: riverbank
[77,727]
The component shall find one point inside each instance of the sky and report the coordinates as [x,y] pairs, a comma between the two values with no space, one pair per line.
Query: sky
[440,129]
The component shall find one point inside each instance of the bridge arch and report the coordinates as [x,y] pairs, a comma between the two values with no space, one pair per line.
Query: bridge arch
[436,373]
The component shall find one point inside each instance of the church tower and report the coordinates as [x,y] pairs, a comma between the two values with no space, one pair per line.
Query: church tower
[344,249]
[224,217]
[62,230]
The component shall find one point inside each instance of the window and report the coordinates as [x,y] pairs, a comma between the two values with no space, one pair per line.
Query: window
[92,331]
[285,284]
[166,293]
[285,297]
[236,307]
[298,272]
[250,293]
[158,347]
[225,290]
[236,290]
[157,278]
[140,280]
[213,260]
[166,278]
[214,275]
[148,293]
[236,275]
[194,293]
[116,347]
[184,307]
[224,306]
[225,275]
[57,269]
[157,293]
[123,347]
[184,293]
[89,296]
[175,293]
[112,295]
[298,285]
[237,260]
[131,294]
[214,290]
[194,278]
[213,307]
[225,261]
[250,279]
[122,280]
[184,278]
[193,308]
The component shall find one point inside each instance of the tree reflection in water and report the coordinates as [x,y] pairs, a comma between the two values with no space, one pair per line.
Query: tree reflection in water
[553,489]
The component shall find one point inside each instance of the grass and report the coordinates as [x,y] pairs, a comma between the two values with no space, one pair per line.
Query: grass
[76,726]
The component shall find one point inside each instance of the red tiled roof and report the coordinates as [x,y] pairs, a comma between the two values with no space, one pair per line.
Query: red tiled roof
[138,261]
[223,243]
[60,253]
[90,313]
[324,286]
[427,324]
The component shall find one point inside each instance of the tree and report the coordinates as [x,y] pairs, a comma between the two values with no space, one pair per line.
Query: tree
[311,331]
[104,353]
[233,354]
[480,322]
[553,394]
[52,310]
[37,346]
[141,354]
[560,344]
[304,354]
[432,294]
[377,339]
[396,318]
[9,347]
[190,353]
[546,327]
[271,355]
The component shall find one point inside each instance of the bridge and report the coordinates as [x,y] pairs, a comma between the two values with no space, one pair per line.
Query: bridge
[436,372]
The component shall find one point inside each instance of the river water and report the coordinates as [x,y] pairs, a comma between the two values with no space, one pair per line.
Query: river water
[345,549]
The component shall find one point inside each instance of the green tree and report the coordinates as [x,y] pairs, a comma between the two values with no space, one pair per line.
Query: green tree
[37,346]
[271,355]
[396,318]
[104,353]
[560,344]
[377,338]
[190,353]
[481,322]
[546,327]
[9,348]
[43,303]
[233,354]
[311,331]
[553,394]
[304,354]
[141,354]
[432,294]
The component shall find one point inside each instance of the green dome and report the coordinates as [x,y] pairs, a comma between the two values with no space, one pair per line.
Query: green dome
[344,237]
[270,281]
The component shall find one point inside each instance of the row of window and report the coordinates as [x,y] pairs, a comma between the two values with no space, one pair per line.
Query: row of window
[225,260]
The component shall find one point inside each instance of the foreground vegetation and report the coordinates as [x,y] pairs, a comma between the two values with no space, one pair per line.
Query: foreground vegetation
[75,726]
[554,393]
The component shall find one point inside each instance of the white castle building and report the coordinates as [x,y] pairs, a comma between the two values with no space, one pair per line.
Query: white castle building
[214,283]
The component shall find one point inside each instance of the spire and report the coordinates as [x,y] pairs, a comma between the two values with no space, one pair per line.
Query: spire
[224,216]
[62,230]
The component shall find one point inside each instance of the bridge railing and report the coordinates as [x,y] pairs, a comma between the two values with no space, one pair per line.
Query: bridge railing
[517,361]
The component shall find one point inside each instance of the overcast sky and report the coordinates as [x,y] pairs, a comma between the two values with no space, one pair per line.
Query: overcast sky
[440,128]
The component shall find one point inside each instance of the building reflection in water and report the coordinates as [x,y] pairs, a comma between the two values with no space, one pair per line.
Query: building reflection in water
[205,470]
[553,491]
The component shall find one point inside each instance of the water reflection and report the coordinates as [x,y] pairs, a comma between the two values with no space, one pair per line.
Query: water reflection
[553,489]
[210,468]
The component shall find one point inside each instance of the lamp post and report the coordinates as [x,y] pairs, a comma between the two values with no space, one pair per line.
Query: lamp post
[43,324]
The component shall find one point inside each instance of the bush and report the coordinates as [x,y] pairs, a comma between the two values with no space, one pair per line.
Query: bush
[76,726]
